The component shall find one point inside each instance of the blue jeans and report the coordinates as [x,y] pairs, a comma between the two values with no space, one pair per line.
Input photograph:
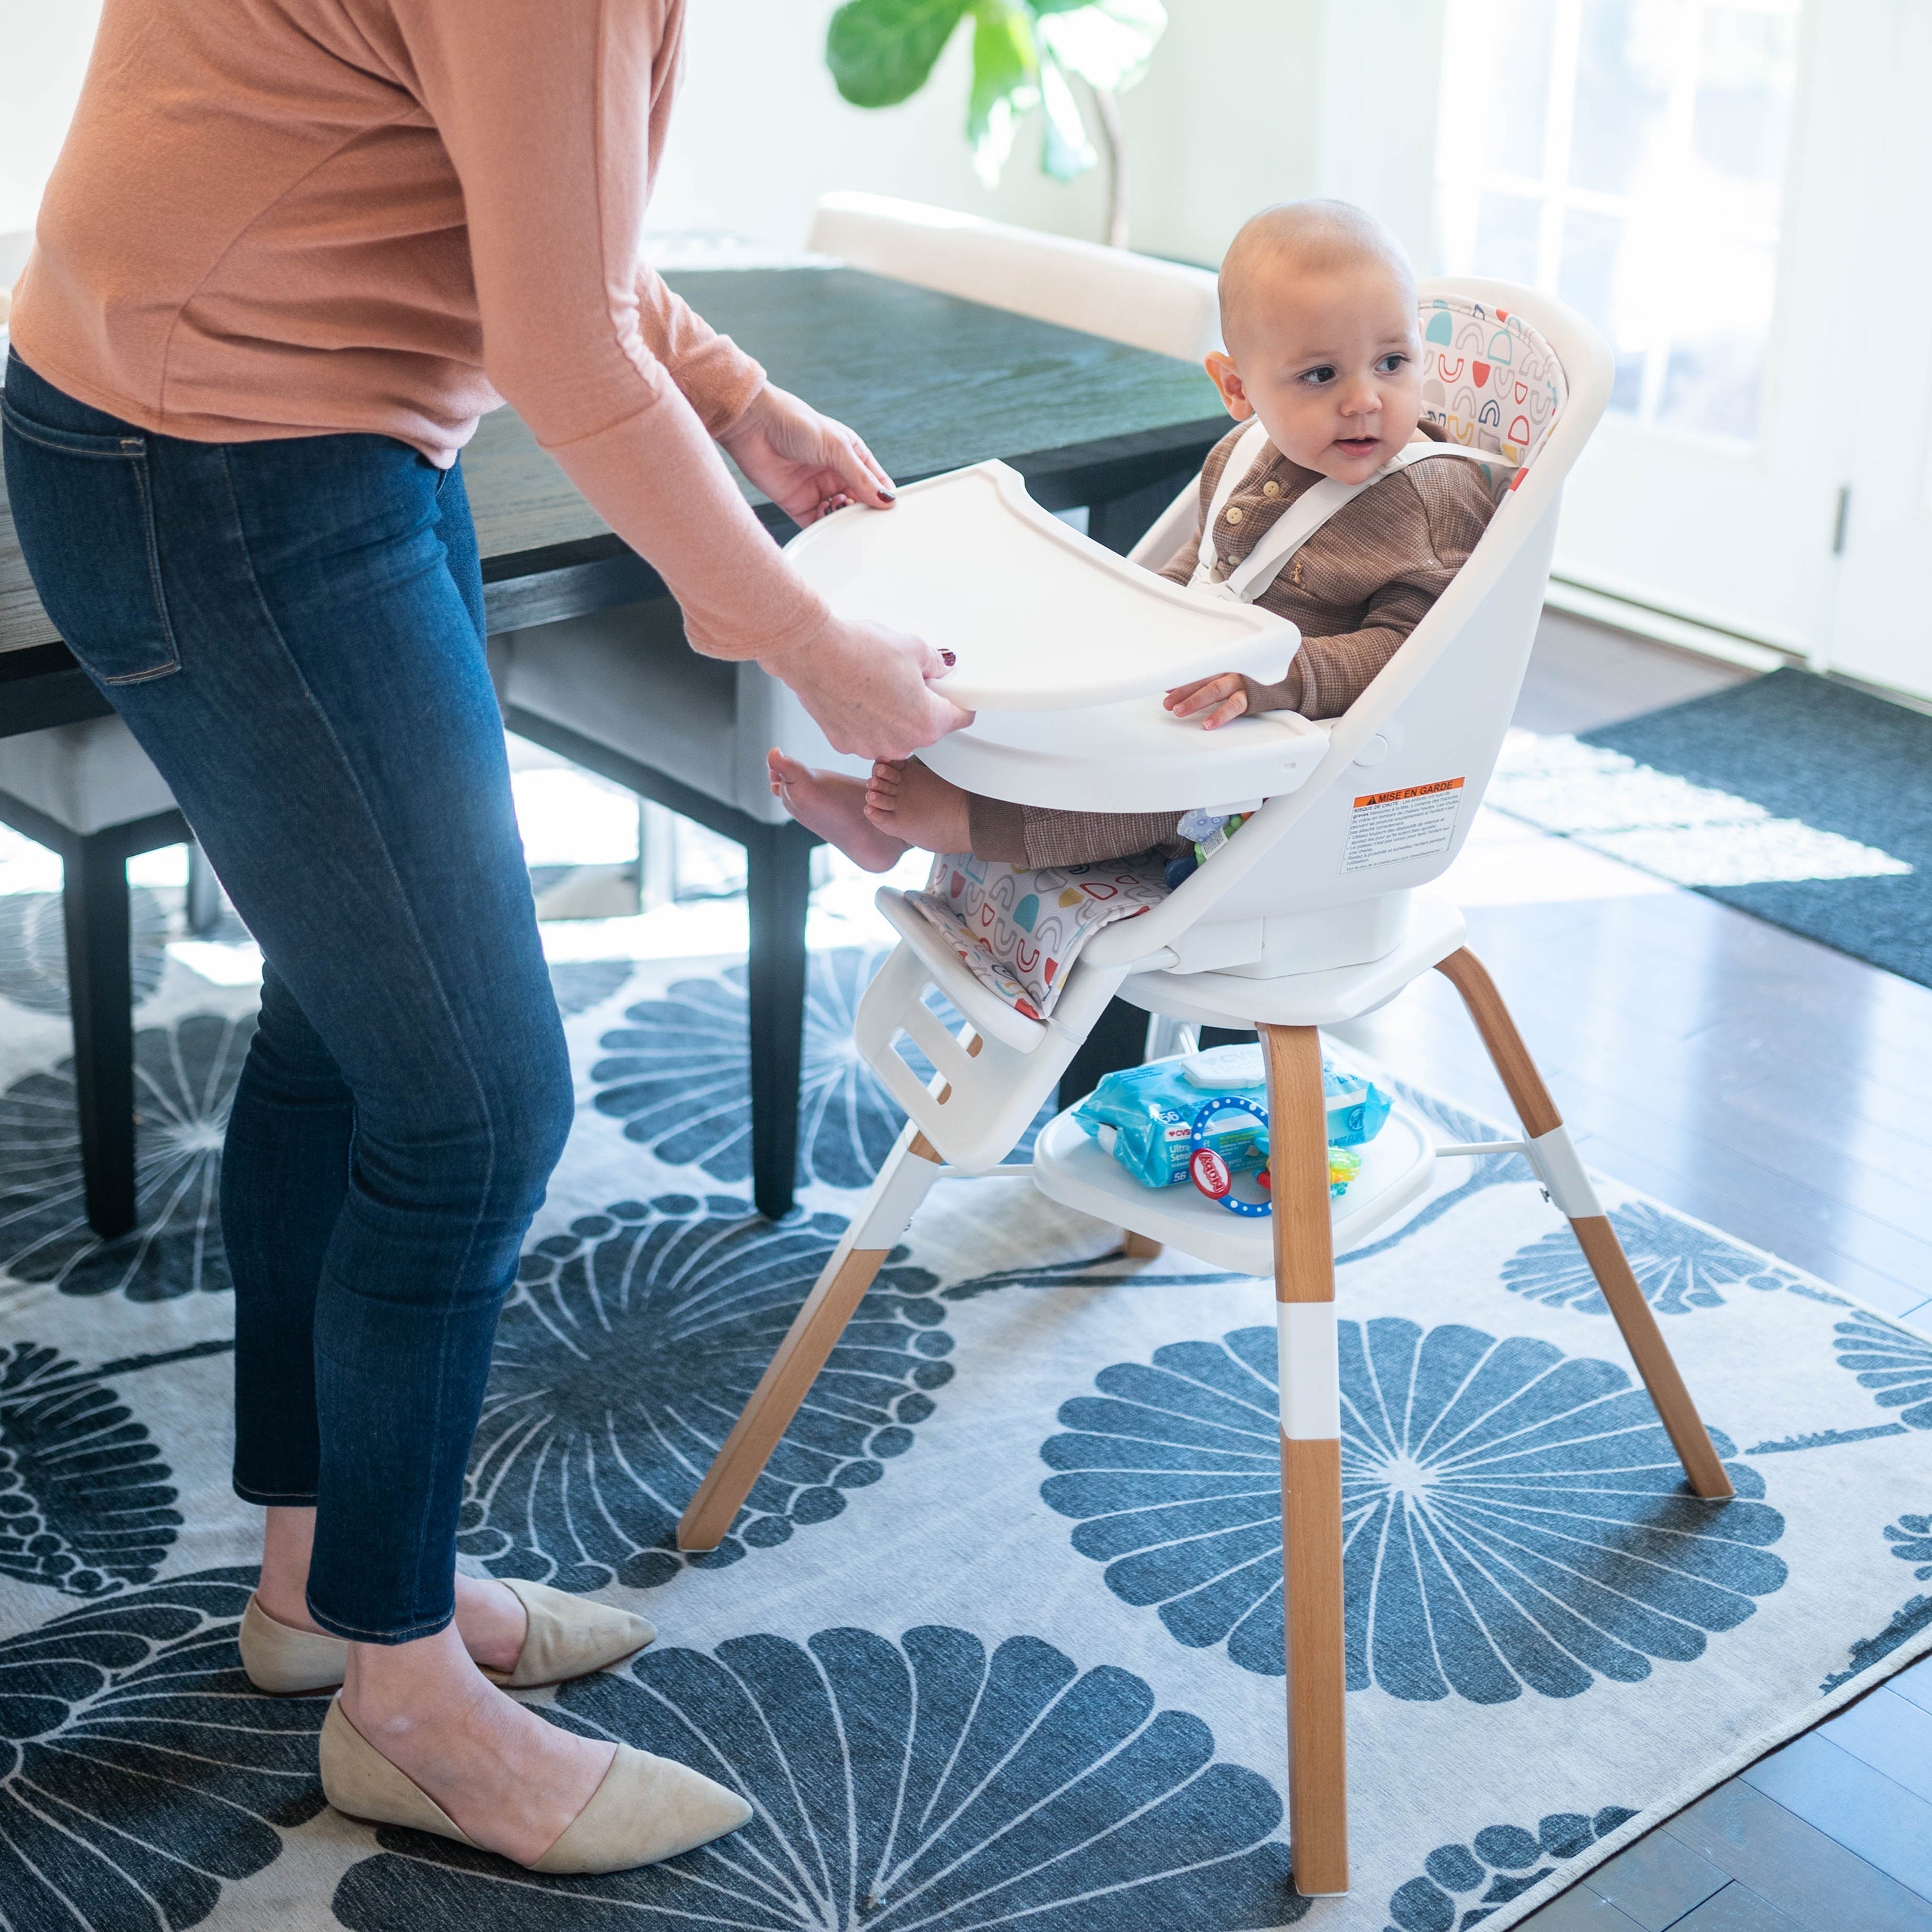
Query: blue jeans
[293,630]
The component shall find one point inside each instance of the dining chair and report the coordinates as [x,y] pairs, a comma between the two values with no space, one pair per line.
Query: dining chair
[1168,307]
[621,693]
[89,793]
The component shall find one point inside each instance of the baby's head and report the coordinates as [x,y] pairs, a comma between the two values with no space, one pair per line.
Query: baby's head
[1317,309]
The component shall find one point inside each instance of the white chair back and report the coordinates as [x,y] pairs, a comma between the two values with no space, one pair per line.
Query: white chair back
[1164,306]
[1277,895]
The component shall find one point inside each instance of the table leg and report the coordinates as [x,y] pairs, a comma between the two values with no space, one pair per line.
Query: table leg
[101,992]
[778,889]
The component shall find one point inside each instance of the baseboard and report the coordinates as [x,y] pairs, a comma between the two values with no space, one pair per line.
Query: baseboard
[1661,627]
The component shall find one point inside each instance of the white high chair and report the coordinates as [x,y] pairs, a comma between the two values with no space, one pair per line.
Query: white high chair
[1311,916]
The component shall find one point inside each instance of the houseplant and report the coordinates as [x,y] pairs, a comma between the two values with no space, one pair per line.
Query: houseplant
[1026,54]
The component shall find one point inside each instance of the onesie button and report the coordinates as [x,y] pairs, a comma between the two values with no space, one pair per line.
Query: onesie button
[1270,488]
[1234,513]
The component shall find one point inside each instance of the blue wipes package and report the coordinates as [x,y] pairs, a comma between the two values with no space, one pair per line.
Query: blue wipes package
[1143,1116]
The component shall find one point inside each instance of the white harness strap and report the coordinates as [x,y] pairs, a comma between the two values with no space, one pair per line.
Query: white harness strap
[1299,521]
[1241,459]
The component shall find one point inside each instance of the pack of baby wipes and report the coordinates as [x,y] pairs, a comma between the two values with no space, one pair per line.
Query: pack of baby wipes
[1144,1116]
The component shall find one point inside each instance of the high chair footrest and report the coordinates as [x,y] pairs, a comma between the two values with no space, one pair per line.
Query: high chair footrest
[984,1011]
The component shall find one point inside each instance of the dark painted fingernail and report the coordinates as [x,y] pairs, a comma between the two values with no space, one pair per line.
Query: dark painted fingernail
[890,496]
[947,659]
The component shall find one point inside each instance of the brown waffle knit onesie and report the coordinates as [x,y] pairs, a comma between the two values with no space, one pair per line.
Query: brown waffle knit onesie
[1356,589]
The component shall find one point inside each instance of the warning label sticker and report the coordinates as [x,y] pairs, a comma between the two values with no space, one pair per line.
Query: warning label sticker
[1388,826]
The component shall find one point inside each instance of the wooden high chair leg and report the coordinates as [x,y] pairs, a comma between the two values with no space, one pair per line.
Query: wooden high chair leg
[1563,1174]
[1311,1462]
[908,1172]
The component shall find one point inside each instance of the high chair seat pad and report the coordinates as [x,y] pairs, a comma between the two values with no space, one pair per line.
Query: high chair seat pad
[1018,931]
[1490,381]
[1040,617]
[1131,756]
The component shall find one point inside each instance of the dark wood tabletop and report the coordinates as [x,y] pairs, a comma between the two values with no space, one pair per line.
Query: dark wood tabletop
[932,383]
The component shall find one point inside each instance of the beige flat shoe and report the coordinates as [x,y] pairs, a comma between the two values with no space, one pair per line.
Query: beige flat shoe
[646,1808]
[569,1637]
[286,1662]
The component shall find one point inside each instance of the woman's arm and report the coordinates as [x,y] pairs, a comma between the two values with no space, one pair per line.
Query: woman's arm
[553,116]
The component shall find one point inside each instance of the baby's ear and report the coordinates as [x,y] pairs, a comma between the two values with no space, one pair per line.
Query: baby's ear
[1226,378]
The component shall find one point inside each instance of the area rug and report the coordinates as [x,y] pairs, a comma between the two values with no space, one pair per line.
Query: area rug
[997,1642]
[1804,801]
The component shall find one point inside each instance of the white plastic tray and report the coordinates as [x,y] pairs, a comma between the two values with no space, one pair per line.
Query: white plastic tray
[1133,756]
[1069,1168]
[1040,617]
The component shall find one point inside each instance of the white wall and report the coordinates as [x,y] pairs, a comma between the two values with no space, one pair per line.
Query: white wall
[1248,101]
[45,43]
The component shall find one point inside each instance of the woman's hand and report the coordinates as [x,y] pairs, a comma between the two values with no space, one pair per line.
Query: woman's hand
[808,464]
[1222,698]
[866,687]
[864,684]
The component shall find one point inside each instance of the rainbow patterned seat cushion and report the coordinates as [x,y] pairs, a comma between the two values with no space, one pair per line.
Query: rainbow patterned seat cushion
[1489,380]
[1018,930]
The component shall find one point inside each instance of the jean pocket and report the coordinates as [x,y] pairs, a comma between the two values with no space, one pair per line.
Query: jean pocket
[83,507]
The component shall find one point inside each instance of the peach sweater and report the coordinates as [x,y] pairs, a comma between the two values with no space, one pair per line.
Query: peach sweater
[284,217]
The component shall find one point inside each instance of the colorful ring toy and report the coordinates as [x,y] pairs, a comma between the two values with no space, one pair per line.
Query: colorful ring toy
[1206,1169]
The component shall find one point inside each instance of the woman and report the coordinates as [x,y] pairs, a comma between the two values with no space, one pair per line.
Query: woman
[292,249]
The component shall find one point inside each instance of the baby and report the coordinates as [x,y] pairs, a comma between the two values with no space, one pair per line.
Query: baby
[1318,312]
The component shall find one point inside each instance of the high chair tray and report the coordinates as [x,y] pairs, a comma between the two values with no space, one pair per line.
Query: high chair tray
[1132,756]
[1070,1168]
[1040,617]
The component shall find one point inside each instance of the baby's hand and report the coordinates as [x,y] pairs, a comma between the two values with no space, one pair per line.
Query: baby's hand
[1221,698]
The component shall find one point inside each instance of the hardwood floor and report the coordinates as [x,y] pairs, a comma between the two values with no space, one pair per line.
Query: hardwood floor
[1745,1074]
[1776,1089]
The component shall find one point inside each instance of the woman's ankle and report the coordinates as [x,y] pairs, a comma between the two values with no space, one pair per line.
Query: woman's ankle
[490,1619]
[288,1539]
[388,1689]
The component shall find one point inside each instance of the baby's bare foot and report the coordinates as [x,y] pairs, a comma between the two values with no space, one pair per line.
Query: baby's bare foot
[834,806]
[911,802]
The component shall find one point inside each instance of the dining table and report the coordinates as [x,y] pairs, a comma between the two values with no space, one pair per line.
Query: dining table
[933,382]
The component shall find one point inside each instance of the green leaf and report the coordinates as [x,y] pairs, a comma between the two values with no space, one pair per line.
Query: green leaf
[881,51]
[1107,43]
[1005,82]
[1066,151]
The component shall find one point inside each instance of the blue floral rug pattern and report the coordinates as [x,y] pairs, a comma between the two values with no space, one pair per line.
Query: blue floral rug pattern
[629,1349]
[141,1773]
[919,1784]
[995,1646]
[675,1073]
[185,1076]
[1513,1519]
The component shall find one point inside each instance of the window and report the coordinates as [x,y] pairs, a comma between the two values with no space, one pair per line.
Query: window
[1628,156]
